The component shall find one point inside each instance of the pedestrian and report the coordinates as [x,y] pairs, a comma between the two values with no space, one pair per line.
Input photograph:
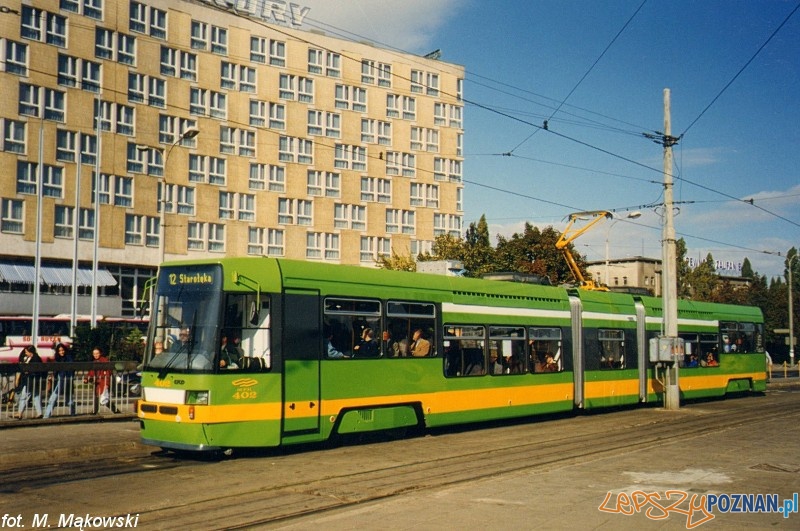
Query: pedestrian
[102,382]
[61,382]
[28,383]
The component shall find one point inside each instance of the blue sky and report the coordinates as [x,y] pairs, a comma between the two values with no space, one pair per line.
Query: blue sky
[609,62]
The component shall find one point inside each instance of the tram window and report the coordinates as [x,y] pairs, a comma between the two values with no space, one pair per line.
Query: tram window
[506,350]
[354,326]
[691,346]
[747,337]
[612,349]
[403,319]
[464,350]
[728,331]
[245,335]
[545,344]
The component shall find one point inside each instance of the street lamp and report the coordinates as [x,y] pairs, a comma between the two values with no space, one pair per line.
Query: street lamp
[791,312]
[631,215]
[188,134]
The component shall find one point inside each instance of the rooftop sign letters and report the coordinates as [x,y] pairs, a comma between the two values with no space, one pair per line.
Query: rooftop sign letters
[270,11]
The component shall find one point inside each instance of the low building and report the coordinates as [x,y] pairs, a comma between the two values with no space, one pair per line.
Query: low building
[634,274]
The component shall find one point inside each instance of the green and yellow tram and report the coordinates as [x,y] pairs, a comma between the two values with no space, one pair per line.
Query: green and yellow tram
[259,352]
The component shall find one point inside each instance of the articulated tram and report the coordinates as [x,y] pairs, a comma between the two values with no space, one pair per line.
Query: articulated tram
[260,352]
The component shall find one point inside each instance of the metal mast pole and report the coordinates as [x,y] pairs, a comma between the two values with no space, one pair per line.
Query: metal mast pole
[669,289]
[791,312]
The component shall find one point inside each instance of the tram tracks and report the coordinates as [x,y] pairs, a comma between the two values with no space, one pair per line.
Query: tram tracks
[438,464]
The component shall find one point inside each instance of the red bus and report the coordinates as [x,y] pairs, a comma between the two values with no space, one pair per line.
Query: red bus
[15,333]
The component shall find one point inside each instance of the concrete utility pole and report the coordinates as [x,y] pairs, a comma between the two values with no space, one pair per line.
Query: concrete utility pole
[791,312]
[669,286]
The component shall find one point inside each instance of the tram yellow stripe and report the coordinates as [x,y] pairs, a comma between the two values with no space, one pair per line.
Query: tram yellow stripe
[442,402]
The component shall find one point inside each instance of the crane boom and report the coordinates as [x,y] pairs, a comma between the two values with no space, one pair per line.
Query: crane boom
[570,234]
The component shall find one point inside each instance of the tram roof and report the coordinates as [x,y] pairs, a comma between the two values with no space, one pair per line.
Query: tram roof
[274,274]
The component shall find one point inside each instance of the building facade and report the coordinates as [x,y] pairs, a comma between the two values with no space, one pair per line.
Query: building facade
[175,129]
[636,273]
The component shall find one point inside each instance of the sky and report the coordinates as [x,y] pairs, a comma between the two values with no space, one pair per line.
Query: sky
[596,72]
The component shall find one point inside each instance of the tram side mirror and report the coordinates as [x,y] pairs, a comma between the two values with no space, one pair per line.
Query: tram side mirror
[254,313]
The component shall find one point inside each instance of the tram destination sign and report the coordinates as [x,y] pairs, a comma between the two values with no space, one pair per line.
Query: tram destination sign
[269,11]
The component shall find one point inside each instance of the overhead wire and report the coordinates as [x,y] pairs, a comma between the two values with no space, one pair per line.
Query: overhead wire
[585,75]
[561,104]
[742,69]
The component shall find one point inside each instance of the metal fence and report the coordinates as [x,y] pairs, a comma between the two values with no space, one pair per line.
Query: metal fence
[62,390]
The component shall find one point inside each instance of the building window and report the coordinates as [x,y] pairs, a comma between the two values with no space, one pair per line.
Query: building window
[33,101]
[12,216]
[216,237]
[400,221]
[148,20]
[134,229]
[16,57]
[350,157]
[26,177]
[370,71]
[294,212]
[258,51]
[322,244]
[349,97]
[115,46]
[237,141]
[13,136]
[350,217]
[267,176]
[43,26]
[291,149]
[219,40]
[324,183]
[199,36]
[88,8]
[376,189]
[203,102]
[196,240]
[277,53]
[86,224]
[275,242]
[255,241]
[374,247]
[296,88]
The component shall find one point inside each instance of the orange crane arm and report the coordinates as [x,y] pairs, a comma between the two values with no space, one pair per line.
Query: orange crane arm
[570,234]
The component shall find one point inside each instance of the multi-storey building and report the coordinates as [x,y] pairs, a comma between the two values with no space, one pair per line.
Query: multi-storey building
[175,129]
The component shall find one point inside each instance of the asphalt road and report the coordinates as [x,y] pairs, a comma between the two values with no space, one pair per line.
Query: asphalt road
[562,473]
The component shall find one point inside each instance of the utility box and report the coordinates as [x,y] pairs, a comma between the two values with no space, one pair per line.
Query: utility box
[666,350]
[452,268]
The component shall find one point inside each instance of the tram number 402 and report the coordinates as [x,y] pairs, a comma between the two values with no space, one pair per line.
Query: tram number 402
[245,394]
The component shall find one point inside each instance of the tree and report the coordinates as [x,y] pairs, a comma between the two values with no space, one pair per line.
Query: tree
[747,269]
[397,262]
[478,254]
[703,280]
[534,251]
[682,270]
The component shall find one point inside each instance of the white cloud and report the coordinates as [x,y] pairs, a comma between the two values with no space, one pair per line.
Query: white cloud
[409,25]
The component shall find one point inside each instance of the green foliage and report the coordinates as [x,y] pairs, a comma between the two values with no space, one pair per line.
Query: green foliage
[397,262]
[534,251]
[87,338]
[118,342]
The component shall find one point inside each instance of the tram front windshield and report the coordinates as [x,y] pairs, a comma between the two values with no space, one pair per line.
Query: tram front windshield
[183,330]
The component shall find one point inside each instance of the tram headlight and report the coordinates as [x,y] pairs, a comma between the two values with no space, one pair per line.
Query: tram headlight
[197,398]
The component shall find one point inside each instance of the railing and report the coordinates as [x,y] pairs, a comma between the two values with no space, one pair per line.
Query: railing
[783,371]
[87,396]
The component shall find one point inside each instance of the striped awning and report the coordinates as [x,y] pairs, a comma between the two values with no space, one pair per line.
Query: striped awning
[53,275]
[17,273]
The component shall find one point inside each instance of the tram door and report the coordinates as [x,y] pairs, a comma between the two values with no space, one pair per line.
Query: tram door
[301,350]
